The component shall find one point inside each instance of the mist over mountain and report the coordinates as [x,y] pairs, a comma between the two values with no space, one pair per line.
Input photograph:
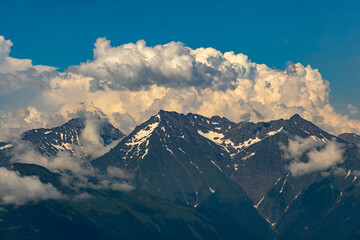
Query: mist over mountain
[179,120]
[177,176]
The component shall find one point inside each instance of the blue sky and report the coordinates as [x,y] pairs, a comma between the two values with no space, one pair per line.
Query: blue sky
[324,34]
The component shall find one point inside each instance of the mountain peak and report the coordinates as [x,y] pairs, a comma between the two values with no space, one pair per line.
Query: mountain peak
[298,120]
[296,116]
[50,141]
[164,113]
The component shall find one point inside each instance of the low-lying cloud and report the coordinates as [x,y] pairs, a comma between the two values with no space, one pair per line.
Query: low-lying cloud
[310,156]
[91,143]
[24,152]
[18,190]
[115,179]
[118,173]
[74,172]
[74,157]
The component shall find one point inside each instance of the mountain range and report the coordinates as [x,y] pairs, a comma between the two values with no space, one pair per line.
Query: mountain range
[194,177]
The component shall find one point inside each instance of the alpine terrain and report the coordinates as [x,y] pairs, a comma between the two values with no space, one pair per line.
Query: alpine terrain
[180,176]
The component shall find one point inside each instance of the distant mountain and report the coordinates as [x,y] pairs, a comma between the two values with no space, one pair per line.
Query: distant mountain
[200,178]
[248,153]
[261,163]
[63,138]
[189,158]
[350,137]
[169,157]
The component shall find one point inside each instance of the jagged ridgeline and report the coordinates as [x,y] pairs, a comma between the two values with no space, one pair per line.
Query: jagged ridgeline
[197,178]
[63,138]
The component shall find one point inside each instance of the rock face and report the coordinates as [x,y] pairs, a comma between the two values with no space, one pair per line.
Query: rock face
[63,138]
[169,157]
[188,158]
[231,179]
[189,155]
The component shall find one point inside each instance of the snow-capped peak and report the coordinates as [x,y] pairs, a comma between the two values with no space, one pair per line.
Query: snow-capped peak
[143,134]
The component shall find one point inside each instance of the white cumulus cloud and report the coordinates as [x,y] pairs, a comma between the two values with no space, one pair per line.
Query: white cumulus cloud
[5,46]
[131,82]
[16,121]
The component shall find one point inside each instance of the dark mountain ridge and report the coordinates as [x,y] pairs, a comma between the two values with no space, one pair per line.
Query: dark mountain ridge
[50,141]
[216,172]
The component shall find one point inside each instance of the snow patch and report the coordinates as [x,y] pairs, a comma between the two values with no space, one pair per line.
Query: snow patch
[63,146]
[216,165]
[248,156]
[258,204]
[355,177]
[146,152]
[287,208]
[315,138]
[182,150]
[323,139]
[169,150]
[272,224]
[195,166]
[274,132]
[213,136]
[220,140]
[282,187]
[6,146]
[245,144]
[348,174]
[142,135]
[236,167]
[277,181]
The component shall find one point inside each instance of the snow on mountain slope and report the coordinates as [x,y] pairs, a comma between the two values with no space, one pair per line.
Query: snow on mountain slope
[69,136]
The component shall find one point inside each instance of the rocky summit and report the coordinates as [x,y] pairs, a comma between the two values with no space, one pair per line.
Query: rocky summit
[189,176]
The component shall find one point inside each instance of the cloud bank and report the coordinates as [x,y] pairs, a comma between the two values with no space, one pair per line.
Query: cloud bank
[17,73]
[320,156]
[131,82]
[25,153]
[18,190]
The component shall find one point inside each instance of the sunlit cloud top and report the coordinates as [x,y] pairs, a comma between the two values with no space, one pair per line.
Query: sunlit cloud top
[131,82]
